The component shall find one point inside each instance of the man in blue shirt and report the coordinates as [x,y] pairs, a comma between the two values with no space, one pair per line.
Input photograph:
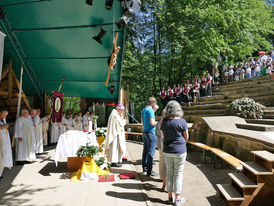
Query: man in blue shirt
[149,137]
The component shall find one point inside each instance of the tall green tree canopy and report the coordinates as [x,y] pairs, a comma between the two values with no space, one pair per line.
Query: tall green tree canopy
[172,40]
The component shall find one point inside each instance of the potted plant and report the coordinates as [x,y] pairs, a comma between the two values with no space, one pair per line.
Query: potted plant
[101,135]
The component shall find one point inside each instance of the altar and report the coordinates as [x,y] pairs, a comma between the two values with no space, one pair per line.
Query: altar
[68,145]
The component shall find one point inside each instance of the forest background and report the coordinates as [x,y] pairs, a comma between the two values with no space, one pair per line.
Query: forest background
[170,41]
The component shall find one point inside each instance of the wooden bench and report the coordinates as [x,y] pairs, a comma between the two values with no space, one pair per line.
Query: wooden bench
[205,148]
[218,153]
[224,156]
[133,133]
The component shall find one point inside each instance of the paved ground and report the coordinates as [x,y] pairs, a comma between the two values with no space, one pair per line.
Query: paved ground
[42,183]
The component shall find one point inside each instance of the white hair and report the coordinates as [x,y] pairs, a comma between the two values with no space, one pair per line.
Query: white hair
[23,111]
[173,109]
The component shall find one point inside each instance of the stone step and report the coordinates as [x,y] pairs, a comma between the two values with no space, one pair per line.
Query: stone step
[269,94]
[270,108]
[265,83]
[206,106]
[268,116]
[211,112]
[255,127]
[230,193]
[223,101]
[245,82]
[242,180]
[241,91]
[268,156]
[256,169]
[260,121]
[268,111]
[216,97]
[193,118]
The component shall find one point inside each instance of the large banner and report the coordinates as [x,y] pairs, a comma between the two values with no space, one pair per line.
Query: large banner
[57,107]
[2,38]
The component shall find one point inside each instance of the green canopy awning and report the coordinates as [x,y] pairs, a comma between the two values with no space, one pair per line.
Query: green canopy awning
[55,39]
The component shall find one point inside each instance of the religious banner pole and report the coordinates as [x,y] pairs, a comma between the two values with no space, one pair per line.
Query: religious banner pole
[20,94]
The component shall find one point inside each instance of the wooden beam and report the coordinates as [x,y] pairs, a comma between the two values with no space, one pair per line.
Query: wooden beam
[5,93]
[5,71]
[10,80]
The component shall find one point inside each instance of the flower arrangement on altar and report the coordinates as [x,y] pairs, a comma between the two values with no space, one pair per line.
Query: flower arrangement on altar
[101,134]
[96,153]
[94,117]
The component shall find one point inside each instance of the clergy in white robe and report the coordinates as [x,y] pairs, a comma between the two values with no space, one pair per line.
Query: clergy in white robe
[54,132]
[86,120]
[38,132]
[71,123]
[4,133]
[63,124]
[80,117]
[77,122]
[45,129]
[24,133]
[115,143]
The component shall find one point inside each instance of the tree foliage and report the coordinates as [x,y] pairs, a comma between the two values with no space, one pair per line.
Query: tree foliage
[171,40]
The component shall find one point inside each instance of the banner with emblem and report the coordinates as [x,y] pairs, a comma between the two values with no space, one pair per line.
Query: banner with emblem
[57,107]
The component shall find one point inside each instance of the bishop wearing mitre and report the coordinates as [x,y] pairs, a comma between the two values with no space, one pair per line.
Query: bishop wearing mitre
[24,133]
[115,143]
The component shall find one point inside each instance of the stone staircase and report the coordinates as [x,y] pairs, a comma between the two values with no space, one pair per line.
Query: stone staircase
[259,89]
[255,185]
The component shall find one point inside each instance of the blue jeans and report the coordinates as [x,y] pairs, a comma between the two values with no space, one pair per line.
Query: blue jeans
[149,140]
[174,177]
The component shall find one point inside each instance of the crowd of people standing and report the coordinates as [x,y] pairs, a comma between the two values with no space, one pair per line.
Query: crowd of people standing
[32,134]
[249,69]
[189,91]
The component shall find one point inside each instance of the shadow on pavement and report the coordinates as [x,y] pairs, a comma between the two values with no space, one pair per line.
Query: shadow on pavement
[51,168]
[135,196]
[13,198]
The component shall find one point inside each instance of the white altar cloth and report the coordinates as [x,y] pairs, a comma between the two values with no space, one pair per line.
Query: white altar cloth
[70,142]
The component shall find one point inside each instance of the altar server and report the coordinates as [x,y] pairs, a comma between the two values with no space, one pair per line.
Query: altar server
[115,143]
[4,134]
[77,123]
[86,119]
[45,129]
[54,132]
[24,133]
[63,124]
[71,123]
[80,118]
[38,132]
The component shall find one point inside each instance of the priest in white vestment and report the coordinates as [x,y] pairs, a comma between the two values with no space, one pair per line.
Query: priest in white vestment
[115,143]
[24,133]
[71,122]
[45,129]
[63,124]
[86,120]
[4,133]
[38,131]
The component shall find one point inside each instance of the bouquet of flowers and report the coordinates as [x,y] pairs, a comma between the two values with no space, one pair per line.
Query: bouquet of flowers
[88,150]
[101,135]
[101,161]
[94,117]
[101,132]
